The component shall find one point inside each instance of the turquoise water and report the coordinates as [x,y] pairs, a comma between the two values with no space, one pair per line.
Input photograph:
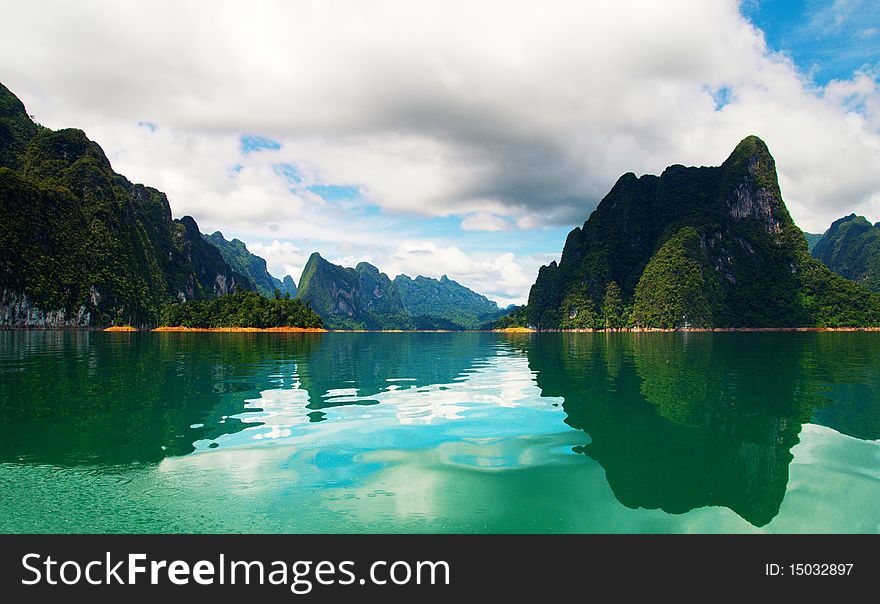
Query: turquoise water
[439,432]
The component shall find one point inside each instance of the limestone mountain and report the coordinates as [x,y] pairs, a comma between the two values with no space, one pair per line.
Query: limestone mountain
[445,299]
[351,298]
[286,285]
[695,247]
[81,244]
[236,254]
[365,298]
[851,247]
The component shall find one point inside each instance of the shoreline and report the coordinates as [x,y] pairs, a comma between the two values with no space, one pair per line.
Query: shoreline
[508,330]
[711,330]
[181,329]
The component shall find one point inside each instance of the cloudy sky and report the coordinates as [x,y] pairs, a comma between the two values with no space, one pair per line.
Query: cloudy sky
[450,137]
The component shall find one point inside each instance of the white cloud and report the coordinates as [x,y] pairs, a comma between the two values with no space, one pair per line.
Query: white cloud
[500,112]
[282,258]
[500,277]
[482,221]
[504,278]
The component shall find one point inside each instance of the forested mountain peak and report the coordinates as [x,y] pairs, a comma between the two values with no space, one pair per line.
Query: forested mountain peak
[695,247]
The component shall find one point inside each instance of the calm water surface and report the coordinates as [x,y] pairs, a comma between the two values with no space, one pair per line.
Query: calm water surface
[466,432]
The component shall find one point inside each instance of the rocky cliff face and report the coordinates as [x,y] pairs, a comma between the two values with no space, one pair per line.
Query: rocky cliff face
[757,197]
[80,244]
[209,274]
[695,247]
[17,310]
[350,298]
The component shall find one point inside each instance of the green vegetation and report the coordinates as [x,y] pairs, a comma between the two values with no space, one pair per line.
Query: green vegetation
[286,285]
[237,256]
[365,298]
[445,299]
[677,288]
[578,311]
[517,316]
[80,244]
[338,295]
[708,247]
[16,129]
[242,309]
[851,247]
[614,313]
[834,301]
[812,240]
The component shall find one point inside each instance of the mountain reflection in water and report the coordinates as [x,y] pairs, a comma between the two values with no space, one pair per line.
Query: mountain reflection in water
[678,421]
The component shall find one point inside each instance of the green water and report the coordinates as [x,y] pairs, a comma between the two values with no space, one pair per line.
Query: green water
[466,432]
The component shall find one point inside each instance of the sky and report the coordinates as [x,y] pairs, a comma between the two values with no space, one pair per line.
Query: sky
[451,137]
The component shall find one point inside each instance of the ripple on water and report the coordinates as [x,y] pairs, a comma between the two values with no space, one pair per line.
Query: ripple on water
[368,432]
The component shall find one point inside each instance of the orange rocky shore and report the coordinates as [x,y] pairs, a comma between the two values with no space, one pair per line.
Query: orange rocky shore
[243,329]
[222,329]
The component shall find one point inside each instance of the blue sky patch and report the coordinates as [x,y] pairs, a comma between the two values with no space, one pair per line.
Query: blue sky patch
[251,143]
[721,96]
[289,172]
[446,230]
[827,39]
[335,192]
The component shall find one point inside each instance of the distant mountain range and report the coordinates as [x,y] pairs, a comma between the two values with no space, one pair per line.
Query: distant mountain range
[447,300]
[696,247]
[365,298]
[81,245]
[236,254]
[851,247]
[812,240]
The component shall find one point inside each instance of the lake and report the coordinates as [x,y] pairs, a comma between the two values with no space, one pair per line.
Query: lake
[439,432]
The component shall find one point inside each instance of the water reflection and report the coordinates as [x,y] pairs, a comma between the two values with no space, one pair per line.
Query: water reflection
[681,421]
[71,397]
[676,421]
[349,368]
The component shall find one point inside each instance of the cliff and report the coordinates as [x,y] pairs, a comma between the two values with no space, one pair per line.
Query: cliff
[82,245]
[351,298]
[695,247]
